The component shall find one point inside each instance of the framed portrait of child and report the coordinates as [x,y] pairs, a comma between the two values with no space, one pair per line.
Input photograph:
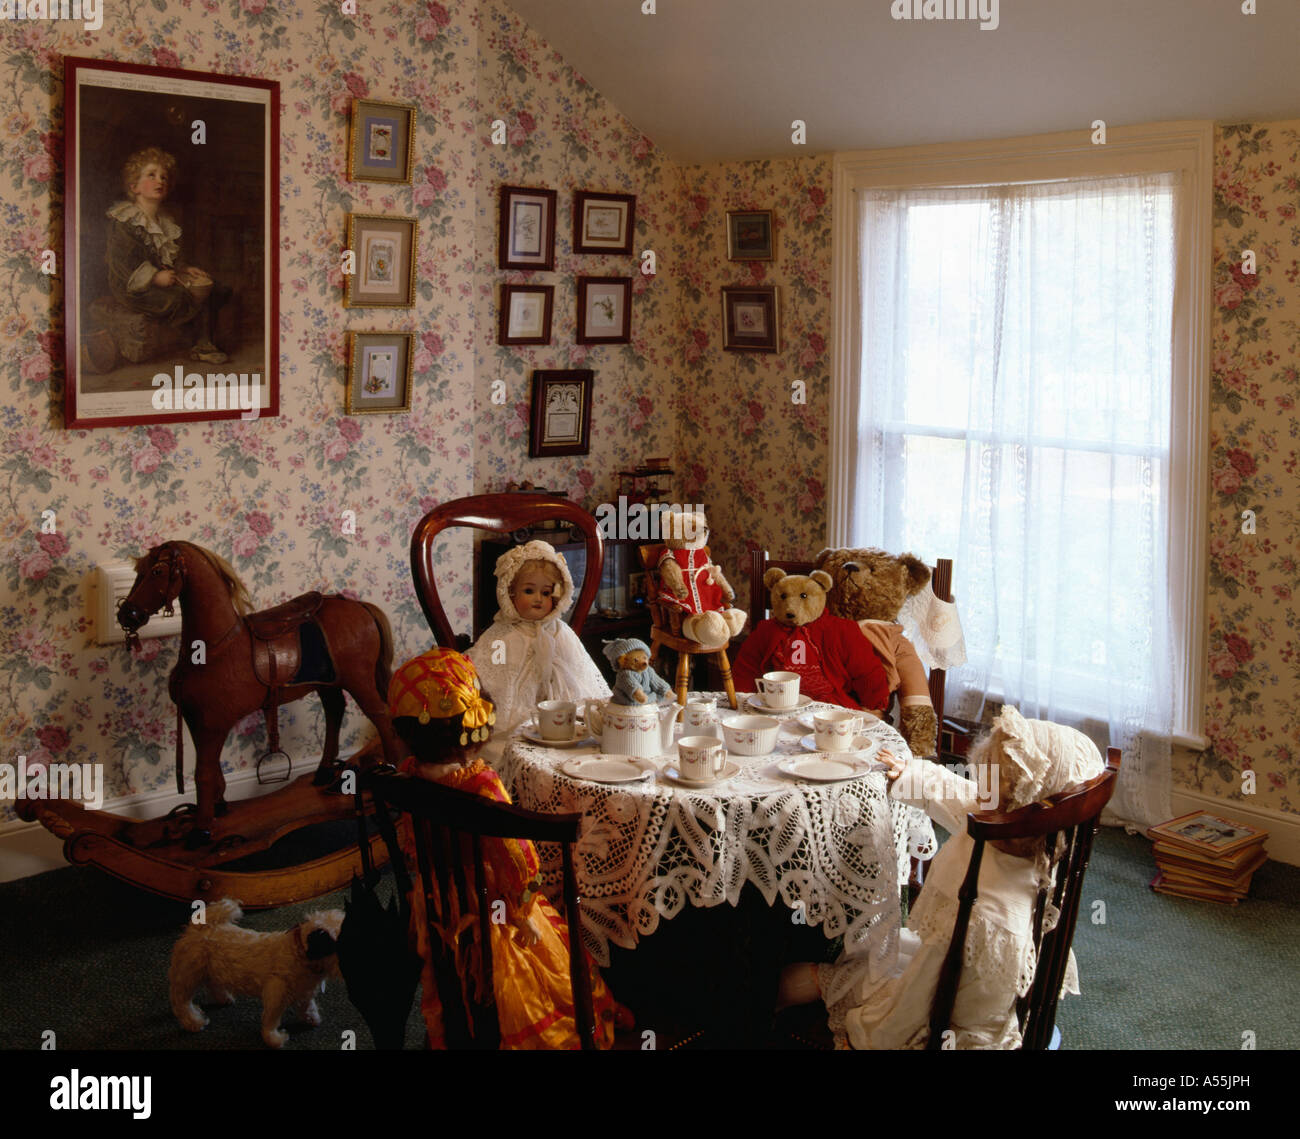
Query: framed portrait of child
[170,245]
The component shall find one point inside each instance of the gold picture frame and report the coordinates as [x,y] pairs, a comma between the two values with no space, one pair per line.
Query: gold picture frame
[381,141]
[379,372]
[384,249]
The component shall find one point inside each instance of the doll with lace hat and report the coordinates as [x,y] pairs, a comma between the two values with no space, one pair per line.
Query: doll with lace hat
[529,653]
[442,713]
[1019,762]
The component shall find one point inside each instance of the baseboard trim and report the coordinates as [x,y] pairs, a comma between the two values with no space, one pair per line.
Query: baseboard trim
[28,848]
[1283,843]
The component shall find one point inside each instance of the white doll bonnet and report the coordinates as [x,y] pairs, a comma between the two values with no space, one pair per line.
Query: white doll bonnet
[1044,757]
[508,565]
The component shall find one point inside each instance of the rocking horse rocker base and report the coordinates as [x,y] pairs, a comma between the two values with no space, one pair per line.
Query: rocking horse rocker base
[247,662]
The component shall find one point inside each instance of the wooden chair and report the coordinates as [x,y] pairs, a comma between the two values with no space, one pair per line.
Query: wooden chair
[449,826]
[940,582]
[665,633]
[1074,816]
[505,514]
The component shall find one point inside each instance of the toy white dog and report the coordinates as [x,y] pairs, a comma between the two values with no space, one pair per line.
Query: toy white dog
[287,968]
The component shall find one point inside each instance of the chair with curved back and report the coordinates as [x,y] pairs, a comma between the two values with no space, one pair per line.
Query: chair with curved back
[504,514]
[1074,816]
[665,633]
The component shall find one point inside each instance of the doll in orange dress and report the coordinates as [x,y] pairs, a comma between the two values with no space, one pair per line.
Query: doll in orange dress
[441,712]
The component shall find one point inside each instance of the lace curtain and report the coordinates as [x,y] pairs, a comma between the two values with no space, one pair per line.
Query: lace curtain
[1013,412]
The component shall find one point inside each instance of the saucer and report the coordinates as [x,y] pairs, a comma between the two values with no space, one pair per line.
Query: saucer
[755,701]
[862,746]
[607,769]
[528,729]
[827,767]
[671,773]
[805,719]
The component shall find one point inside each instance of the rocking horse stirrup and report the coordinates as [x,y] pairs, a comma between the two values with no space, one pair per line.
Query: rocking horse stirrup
[263,780]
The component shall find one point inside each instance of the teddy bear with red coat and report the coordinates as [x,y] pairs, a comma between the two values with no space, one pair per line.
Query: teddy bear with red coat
[834,662]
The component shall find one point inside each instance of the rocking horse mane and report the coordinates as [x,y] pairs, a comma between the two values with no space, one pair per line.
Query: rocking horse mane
[239,595]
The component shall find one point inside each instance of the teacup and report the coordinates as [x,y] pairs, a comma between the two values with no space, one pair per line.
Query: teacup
[834,729]
[779,689]
[701,757]
[701,716]
[557,719]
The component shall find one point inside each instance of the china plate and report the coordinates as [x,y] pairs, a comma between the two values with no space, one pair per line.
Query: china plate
[863,746]
[528,730]
[825,768]
[606,769]
[806,719]
[756,702]
[671,773]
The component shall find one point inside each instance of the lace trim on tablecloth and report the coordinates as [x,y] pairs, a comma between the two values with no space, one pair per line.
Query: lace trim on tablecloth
[647,850]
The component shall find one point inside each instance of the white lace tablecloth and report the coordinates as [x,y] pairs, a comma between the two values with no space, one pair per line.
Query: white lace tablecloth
[835,853]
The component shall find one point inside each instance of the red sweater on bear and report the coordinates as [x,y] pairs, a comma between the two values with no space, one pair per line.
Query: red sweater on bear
[835,664]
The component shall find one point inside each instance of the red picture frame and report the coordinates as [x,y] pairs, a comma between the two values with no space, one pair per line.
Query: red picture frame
[604,310]
[125,330]
[560,418]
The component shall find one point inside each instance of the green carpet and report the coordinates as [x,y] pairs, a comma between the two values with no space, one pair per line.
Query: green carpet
[86,957]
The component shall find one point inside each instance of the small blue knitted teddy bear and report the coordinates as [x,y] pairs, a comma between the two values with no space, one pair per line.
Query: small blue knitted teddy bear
[636,681]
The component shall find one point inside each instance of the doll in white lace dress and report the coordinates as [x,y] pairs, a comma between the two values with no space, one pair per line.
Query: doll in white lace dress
[1021,761]
[529,653]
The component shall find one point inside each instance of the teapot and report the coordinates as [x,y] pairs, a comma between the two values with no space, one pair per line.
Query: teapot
[644,730]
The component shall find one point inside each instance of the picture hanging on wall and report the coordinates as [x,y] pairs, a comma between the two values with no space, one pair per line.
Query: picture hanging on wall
[560,423]
[381,141]
[525,314]
[379,371]
[603,223]
[526,228]
[384,250]
[750,319]
[749,235]
[171,239]
[604,310]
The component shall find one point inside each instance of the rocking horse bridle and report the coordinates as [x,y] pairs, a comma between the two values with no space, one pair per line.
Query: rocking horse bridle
[131,616]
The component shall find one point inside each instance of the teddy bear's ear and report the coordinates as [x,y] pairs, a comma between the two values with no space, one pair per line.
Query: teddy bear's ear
[822,578]
[823,554]
[772,577]
[918,573]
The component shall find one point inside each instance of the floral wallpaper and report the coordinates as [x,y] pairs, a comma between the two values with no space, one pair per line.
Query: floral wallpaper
[753,443]
[269,495]
[1253,702]
[563,135]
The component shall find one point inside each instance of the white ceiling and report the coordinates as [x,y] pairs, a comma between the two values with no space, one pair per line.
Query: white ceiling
[712,80]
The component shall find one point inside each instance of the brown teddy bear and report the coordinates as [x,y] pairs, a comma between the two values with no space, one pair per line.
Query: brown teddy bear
[693,585]
[835,664]
[870,587]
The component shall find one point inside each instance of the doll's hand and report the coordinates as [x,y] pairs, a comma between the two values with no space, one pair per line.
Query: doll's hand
[164,277]
[527,932]
[894,766]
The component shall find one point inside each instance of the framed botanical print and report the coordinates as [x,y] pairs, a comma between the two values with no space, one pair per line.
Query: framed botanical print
[750,319]
[384,251]
[525,314]
[526,228]
[560,423]
[379,371]
[749,235]
[604,310]
[603,223]
[171,248]
[381,141]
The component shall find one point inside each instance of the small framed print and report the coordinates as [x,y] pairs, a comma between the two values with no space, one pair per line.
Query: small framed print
[749,235]
[603,223]
[384,273]
[526,229]
[379,371]
[526,314]
[604,310]
[750,319]
[380,141]
[560,423]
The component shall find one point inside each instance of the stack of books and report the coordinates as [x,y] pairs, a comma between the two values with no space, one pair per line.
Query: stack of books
[1207,857]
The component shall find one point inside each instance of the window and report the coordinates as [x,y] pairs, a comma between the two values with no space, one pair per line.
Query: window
[1014,388]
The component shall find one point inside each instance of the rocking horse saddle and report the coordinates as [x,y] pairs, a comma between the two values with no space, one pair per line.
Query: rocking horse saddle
[270,624]
[278,635]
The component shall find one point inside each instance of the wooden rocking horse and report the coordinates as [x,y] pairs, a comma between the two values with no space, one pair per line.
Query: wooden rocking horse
[233,662]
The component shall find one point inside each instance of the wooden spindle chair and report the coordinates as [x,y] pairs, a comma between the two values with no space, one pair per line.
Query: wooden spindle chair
[1073,815]
[449,826]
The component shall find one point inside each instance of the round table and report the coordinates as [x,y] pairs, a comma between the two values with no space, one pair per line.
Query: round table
[834,853]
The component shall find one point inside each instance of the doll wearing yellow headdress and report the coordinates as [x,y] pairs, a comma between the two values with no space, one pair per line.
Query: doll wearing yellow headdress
[440,710]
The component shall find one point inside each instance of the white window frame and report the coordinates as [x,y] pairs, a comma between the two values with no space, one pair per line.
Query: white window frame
[1186,147]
